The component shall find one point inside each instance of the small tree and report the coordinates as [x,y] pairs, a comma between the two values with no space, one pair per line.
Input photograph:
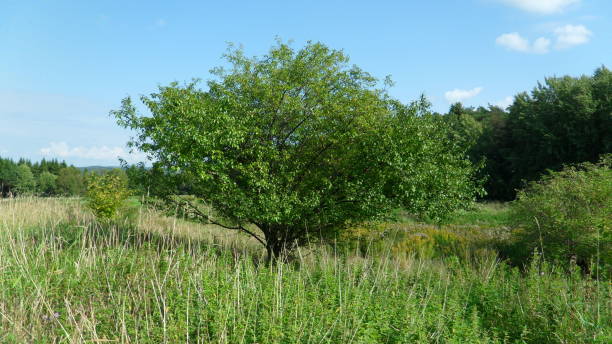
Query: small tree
[297,143]
[106,194]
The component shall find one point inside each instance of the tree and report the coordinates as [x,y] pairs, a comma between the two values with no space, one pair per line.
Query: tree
[47,183]
[25,182]
[465,129]
[299,143]
[70,182]
[563,121]
[8,176]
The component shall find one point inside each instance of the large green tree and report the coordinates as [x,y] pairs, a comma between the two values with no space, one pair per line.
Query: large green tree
[300,143]
[563,121]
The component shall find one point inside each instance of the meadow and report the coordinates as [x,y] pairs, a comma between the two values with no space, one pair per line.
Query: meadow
[144,277]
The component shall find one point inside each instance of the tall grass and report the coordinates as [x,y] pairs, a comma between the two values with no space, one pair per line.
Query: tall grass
[146,278]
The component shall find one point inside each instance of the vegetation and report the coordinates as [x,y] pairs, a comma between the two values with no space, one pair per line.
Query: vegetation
[106,193]
[299,151]
[68,278]
[45,178]
[565,120]
[567,216]
[300,144]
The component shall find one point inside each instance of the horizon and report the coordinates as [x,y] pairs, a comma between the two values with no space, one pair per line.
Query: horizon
[67,64]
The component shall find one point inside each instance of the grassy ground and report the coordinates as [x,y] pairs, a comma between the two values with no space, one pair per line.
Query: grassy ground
[146,278]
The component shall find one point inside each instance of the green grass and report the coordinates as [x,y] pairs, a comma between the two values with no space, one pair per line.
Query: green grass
[489,214]
[484,214]
[64,278]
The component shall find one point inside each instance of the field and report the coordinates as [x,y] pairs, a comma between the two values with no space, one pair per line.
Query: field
[148,278]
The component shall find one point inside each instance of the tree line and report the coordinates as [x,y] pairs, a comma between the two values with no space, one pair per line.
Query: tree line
[42,178]
[565,120]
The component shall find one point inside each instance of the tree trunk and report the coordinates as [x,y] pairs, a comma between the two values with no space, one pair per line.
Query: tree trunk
[277,243]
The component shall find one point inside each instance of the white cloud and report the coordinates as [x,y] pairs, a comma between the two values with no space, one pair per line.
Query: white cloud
[566,36]
[63,150]
[540,45]
[160,22]
[541,6]
[514,41]
[571,35]
[458,95]
[504,103]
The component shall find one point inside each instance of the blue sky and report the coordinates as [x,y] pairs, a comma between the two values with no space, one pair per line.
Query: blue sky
[65,64]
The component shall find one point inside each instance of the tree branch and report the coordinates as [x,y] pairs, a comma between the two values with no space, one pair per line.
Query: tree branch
[198,213]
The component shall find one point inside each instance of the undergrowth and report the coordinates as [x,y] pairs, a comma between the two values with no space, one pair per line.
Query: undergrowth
[64,278]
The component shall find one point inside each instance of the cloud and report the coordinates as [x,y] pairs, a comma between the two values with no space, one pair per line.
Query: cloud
[458,95]
[160,22]
[571,35]
[504,103]
[565,37]
[541,6]
[63,150]
[540,45]
[514,41]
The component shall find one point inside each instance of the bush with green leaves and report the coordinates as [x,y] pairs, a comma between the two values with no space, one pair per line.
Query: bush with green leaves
[567,216]
[106,194]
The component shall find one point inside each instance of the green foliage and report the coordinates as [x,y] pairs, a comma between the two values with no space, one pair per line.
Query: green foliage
[565,120]
[465,130]
[149,288]
[46,185]
[106,193]
[300,142]
[25,183]
[567,216]
[70,182]
[482,214]
[25,177]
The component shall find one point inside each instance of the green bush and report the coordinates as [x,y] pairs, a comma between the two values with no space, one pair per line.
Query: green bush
[106,194]
[566,217]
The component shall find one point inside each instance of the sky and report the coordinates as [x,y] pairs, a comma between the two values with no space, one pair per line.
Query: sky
[65,64]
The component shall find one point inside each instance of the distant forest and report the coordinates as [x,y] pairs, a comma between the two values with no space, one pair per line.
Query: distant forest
[565,120]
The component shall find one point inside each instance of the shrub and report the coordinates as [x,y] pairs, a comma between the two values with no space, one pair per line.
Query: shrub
[566,216]
[106,194]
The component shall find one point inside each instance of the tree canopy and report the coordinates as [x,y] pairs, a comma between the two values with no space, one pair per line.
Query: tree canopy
[565,120]
[299,143]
